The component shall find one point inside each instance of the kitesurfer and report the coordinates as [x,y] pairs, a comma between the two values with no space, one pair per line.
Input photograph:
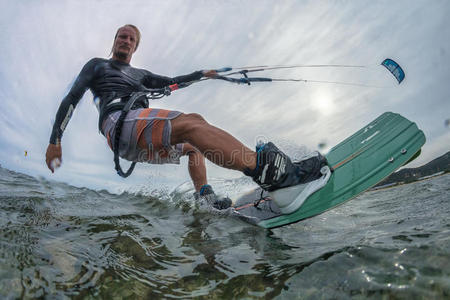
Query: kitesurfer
[161,136]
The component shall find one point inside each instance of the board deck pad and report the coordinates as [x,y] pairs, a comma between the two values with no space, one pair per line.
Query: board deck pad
[360,162]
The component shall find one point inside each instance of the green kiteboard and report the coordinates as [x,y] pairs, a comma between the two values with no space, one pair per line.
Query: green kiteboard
[359,162]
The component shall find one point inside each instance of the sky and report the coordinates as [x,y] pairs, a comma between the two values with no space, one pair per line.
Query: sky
[44,45]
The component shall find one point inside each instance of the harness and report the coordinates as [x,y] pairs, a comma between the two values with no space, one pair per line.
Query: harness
[149,94]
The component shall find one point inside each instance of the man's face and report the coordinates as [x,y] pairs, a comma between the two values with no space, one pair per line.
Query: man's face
[125,44]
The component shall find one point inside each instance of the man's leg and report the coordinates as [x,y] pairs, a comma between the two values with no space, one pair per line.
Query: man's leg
[275,169]
[196,166]
[215,144]
[197,171]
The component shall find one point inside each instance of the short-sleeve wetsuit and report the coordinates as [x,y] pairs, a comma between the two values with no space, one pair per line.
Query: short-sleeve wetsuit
[108,80]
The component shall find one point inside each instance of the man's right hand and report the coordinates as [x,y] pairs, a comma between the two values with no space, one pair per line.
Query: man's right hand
[53,152]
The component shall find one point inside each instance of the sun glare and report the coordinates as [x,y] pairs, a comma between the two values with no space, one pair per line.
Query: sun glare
[323,102]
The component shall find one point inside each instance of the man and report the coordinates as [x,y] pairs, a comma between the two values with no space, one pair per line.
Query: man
[162,136]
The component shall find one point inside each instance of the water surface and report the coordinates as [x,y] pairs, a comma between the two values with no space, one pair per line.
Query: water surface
[66,242]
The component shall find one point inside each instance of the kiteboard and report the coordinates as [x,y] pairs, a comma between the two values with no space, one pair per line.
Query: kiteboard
[359,162]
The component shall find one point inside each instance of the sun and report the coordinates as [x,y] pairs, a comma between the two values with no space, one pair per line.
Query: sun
[323,102]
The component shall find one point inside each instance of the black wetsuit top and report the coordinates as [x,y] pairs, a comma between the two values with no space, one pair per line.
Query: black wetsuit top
[108,80]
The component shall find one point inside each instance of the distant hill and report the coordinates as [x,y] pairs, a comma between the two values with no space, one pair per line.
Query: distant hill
[440,164]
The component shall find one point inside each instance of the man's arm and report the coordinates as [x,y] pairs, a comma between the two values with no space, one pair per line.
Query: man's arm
[65,111]
[158,81]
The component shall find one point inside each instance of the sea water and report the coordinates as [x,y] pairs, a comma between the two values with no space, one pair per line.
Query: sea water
[59,241]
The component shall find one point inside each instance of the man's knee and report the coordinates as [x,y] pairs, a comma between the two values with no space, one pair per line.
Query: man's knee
[189,150]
